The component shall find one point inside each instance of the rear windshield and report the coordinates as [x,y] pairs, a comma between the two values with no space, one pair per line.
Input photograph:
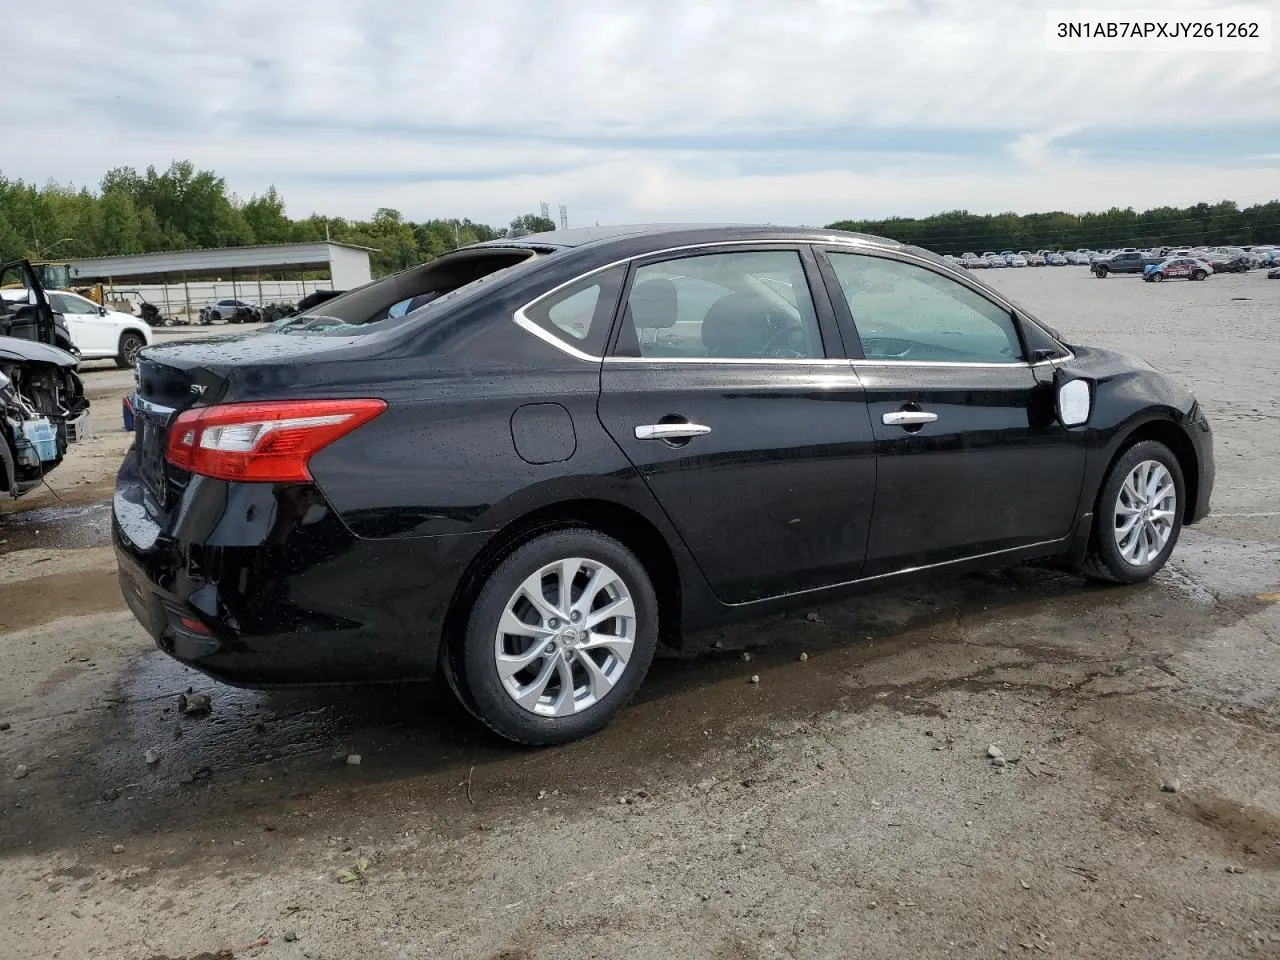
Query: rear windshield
[411,296]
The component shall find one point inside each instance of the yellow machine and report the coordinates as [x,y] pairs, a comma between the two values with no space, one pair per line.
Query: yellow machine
[56,275]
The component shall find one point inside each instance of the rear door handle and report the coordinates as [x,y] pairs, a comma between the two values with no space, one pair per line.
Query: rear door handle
[908,418]
[670,431]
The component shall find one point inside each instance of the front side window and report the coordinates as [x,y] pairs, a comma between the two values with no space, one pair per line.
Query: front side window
[64,304]
[733,306]
[908,313]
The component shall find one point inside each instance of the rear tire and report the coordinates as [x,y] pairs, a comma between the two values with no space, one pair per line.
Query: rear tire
[130,345]
[1114,557]
[577,673]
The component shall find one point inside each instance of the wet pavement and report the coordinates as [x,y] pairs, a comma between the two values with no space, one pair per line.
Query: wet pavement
[57,528]
[843,806]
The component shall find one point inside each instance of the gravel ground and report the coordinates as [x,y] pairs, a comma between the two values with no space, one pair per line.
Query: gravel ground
[845,806]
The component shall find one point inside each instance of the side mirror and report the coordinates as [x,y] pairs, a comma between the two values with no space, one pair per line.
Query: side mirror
[102,311]
[1075,402]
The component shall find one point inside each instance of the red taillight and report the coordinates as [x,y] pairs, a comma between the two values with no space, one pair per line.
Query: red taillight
[262,442]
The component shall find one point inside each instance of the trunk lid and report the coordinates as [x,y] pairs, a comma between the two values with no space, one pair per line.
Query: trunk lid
[174,377]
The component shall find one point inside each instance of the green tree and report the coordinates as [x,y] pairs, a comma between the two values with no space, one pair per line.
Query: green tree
[265,218]
[533,222]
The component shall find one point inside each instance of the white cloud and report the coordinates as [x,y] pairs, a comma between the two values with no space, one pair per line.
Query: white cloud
[318,97]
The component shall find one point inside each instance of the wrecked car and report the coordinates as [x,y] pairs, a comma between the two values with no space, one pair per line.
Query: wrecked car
[42,402]
[26,311]
[41,408]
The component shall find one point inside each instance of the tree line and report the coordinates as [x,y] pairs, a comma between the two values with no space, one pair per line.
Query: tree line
[1203,224]
[183,208]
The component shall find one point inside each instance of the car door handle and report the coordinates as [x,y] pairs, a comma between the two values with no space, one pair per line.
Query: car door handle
[670,431]
[908,418]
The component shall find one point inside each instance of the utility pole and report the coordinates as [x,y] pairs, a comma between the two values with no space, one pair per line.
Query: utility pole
[564,217]
[546,210]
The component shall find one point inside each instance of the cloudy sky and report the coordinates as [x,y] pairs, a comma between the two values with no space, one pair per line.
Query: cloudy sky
[789,111]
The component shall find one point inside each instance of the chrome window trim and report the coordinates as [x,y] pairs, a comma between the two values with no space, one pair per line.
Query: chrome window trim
[522,320]
[738,361]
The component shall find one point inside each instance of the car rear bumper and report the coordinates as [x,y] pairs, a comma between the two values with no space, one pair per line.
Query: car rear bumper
[263,585]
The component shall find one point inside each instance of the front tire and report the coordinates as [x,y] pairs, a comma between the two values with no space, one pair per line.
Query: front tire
[1101,273]
[559,638]
[1199,275]
[130,346]
[1138,516]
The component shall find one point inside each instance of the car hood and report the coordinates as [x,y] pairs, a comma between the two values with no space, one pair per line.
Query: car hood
[17,348]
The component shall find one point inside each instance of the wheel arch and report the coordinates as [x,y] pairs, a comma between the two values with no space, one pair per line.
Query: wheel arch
[1169,433]
[137,331]
[625,524]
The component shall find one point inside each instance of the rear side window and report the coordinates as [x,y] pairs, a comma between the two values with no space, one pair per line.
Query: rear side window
[579,314]
[738,305]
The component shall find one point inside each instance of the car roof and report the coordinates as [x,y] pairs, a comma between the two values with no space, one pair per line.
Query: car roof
[661,235]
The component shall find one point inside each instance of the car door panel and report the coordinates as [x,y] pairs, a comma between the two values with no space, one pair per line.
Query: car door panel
[993,472]
[971,459]
[85,333]
[776,496]
[771,482]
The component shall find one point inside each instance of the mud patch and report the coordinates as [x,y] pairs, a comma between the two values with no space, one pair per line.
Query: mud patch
[37,600]
[1238,829]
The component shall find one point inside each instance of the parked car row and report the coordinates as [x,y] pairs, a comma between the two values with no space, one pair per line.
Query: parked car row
[1126,259]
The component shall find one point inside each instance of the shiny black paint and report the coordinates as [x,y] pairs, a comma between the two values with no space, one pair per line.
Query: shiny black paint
[797,491]
[995,471]
[777,497]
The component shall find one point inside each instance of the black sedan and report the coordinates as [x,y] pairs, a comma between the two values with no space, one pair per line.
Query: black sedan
[585,441]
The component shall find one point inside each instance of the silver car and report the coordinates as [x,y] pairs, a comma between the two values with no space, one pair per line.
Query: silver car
[233,311]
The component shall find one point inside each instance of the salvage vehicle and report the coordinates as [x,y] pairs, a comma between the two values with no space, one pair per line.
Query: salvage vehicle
[591,440]
[232,311]
[1230,262]
[1187,268]
[41,404]
[25,310]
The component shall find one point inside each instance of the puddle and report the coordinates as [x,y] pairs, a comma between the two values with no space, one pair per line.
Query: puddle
[57,527]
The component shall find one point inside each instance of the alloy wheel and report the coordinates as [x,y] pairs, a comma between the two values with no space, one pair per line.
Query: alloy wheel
[565,637]
[1144,512]
[132,347]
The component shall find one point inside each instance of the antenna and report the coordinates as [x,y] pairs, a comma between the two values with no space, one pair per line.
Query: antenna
[546,210]
[564,217]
